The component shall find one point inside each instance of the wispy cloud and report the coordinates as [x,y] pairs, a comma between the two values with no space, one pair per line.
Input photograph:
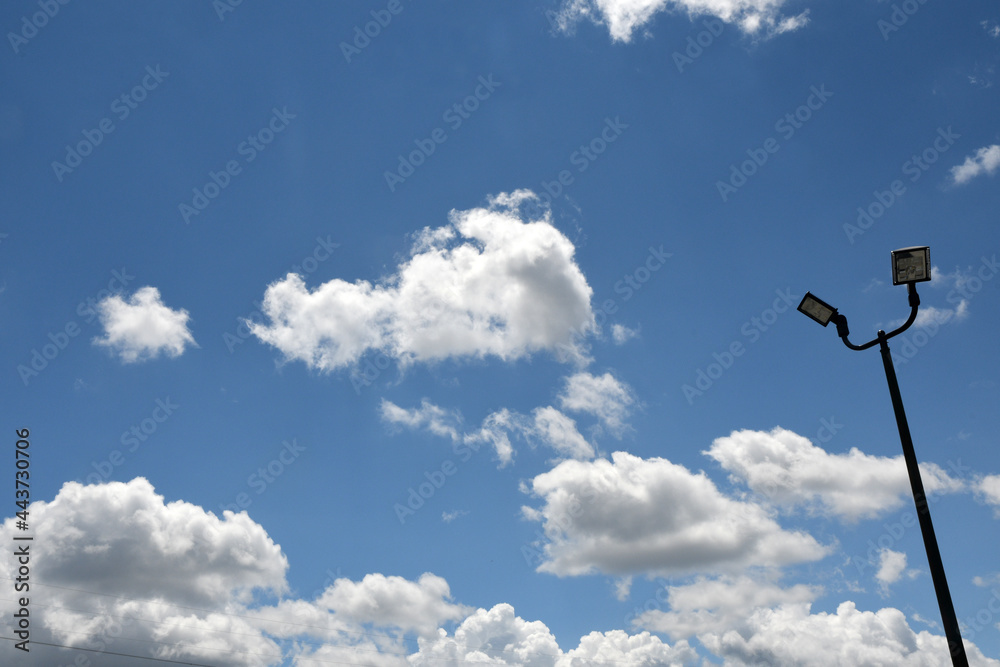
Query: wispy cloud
[984,161]
[624,17]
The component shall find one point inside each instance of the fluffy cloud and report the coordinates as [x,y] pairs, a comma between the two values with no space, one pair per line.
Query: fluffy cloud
[394,602]
[633,515]
[984,161]
[604,397]
[142,327]
[624,17]
[791,635]
[788,469]
[718,605]
[488,284]
[891,568]
[499,637]
[172,564]
[120,569]
[988,489]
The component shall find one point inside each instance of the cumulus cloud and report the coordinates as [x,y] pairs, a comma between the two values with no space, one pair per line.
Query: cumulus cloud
[791,635]
[789,470]
[719,605]
[602,396]
[124,570]
[624,17]
[632,515]
[499,637]
[490,283]
[983,161]
[141,327]
[171,563]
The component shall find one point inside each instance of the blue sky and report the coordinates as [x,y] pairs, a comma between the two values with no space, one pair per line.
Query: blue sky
[388,333]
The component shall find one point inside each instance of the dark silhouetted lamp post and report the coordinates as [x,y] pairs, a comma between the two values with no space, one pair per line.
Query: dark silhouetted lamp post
[909,267]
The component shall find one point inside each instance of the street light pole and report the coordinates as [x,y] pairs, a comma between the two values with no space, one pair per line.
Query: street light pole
[910,265]
[948,617]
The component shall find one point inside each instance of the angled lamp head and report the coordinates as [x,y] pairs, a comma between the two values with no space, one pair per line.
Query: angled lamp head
[911,265]
[817,309]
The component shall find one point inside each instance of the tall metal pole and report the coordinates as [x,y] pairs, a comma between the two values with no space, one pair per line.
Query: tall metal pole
[948,617]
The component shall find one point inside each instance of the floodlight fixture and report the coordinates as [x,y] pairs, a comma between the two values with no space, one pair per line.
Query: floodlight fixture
[911,265]
[816,308]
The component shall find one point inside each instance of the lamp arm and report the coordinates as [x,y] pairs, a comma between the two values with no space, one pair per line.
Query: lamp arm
[844,332]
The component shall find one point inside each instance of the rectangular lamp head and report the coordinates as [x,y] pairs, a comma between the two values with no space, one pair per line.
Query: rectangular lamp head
[817,309]
[911,265]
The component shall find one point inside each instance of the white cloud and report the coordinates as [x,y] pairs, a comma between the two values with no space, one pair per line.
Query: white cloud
[891,568]
[394,602]
[142,557]
[448,517]
[435,419]
[791,635]
[142,328]
[984,161]
[625,17]
[602,396]
[499,637]
[559,432]
[621,334]
[494,430]
[988,489]
[632,515]
[789,470]
[546,426]
[719,605]
[122,569]
[488,284]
